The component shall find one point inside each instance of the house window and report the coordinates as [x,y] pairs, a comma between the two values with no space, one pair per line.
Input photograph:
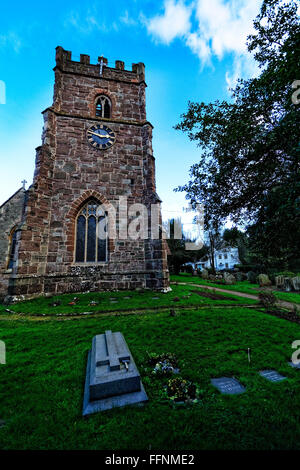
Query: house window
[91,234]
[12,248]
[103,107]
[220,256]
[225,256]
[226,265]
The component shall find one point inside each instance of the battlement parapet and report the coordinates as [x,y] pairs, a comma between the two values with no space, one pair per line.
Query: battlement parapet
[65,63]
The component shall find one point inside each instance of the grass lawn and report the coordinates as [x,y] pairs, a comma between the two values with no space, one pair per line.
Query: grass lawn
[41,387]
[122,300]
[243,286]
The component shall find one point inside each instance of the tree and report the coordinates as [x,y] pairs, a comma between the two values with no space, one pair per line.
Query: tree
[215,241]
[234,237]
[251,145]
[179,255]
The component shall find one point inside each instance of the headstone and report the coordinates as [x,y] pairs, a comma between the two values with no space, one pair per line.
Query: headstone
[263,280]
[287,284]
[228,386]
[229,279]
[272,375]
[295,281]
[279,281]
[204,273]
[112,378]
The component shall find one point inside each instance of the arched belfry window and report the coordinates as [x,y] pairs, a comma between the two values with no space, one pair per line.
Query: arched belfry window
[91,234]
[12,248]
[103,107]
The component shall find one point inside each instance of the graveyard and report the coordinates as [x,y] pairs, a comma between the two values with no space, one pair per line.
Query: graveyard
[255,405]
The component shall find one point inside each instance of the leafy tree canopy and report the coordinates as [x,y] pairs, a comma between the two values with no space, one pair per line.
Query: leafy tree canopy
[251,144]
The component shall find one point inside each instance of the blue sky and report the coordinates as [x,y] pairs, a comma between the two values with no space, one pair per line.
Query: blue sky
[193,50]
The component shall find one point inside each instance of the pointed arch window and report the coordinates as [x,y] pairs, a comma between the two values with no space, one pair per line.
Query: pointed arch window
[103,107]
[91,234]
[12,248]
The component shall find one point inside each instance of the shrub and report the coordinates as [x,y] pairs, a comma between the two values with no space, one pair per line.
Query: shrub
[285,274]
[252,277]
[267,299]
[189,269]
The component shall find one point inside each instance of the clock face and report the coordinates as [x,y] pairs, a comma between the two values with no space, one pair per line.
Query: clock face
[100,136]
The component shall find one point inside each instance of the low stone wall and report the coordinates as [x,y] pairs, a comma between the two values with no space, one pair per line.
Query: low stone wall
[27,287]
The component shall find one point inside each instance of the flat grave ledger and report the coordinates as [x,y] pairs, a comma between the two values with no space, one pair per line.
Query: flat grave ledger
[296,366]
[272,375]
[228,386]
[112,378]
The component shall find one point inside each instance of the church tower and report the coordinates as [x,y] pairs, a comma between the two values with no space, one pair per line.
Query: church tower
[94,181]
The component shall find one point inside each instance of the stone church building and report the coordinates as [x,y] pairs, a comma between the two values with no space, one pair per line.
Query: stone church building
[96,151]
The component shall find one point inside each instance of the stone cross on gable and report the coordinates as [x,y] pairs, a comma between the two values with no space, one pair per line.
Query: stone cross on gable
[23,183]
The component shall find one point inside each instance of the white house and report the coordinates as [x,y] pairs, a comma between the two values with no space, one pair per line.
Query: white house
[226,258]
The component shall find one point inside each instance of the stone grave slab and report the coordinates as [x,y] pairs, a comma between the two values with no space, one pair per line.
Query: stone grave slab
[228,386]
[296,366]
[272,375]
[112,378]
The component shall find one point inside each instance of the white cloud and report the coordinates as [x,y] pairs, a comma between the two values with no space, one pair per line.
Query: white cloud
[220,27]
[12,40]
[175,22]
[126,19]
[199,46]
[91,20]
[226,25]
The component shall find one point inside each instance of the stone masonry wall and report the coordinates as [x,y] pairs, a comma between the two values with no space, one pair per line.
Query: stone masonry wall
[69,171]
[11,213]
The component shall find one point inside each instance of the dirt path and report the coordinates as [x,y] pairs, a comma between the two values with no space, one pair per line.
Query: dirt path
[281,303]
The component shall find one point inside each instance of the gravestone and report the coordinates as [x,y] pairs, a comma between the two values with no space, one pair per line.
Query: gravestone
[263,280]
[228,386]
[279,282]
[295,281]
[272,375]
[112,378]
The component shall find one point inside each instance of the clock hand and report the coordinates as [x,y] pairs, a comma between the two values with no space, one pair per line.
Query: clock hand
[102,136]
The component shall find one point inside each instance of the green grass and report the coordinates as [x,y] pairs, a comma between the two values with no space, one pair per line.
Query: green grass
[41,388]
[243,286]
[138,300]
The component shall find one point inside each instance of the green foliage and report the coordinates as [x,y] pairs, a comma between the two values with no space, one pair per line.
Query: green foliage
[249,168]
[267,299]
[286,274]
[252,277]
[179,255]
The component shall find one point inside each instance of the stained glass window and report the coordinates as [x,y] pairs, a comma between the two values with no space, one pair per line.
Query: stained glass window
[103,107]
[80,238]
[91,234]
